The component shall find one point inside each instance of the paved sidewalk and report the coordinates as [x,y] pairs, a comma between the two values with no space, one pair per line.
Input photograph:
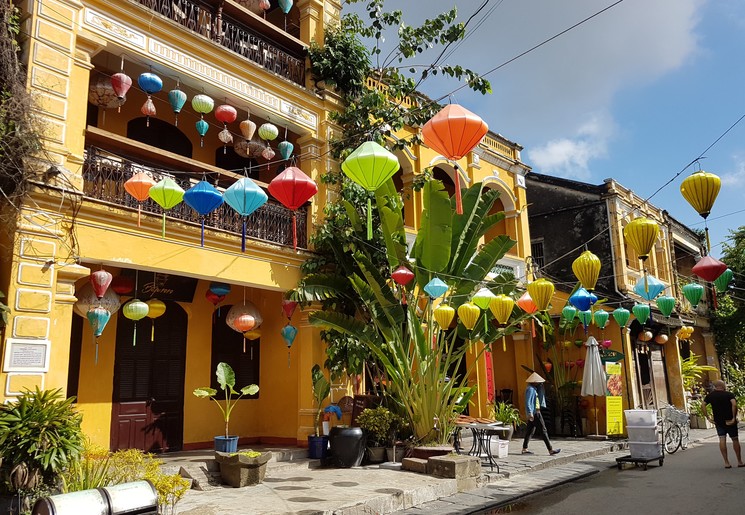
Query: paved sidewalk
[294,484]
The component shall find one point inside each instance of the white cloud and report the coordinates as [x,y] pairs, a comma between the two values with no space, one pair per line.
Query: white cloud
[736,178]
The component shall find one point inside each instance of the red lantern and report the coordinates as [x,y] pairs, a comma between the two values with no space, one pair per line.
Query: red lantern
[226,114]
[293,189]
[139,187]
[122,284]
[100,280]
[402,276]
[243,323]
[453,132]
[709,268]
[289,306]
[526,304]
[214,298]
[121,82]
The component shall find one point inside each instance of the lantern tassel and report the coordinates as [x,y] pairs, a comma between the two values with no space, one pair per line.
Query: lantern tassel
[706,230]
[243,236]
[244,345]
[288,358]
[152,332]
[294,230]
[369,218]
[504,344]
[139,213]
[134,335]
[163,227]
[532,326]
[458,199]
[96,362]
[202,239]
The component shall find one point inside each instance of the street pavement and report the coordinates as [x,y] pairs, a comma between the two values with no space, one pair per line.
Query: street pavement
[297,485]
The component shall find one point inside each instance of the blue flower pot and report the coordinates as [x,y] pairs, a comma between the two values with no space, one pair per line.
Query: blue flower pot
[318,447]
[226,443]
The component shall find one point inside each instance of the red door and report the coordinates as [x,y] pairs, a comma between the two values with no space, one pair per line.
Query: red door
[148,401]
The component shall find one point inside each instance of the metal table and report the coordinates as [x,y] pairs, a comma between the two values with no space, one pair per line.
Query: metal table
[481,445]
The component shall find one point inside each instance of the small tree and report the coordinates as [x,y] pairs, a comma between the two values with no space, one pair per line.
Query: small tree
[226,380]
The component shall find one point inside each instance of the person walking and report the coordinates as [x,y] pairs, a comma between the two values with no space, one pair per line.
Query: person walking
[535,399]
[724,411]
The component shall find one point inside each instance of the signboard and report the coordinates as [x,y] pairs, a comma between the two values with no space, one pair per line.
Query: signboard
[26,355]
[362,402]
[610,356]
[163,286]
[614,399]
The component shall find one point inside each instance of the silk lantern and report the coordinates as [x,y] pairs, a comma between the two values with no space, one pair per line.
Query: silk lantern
[253,334]
[693,293]
[569,312]
[541,292]
[139,187]
[435,288]
[293,188]
[285,5]
[268,132]
[87,299]
[402,276]
[581,299]
[666,304]
[709,268]
[121,82]
[288,333]
[501,307]
[649,287]
[285,149]
[585,316]
[203,198]
[268,154]
[135,310]
[155,309]
[370,166]
[225,114]
[700,189]
[98,317]
[641,233]
[525,302]
[122,284]
[482,299]
[240,319]
[150,84]
[289,307]
[213,297]
[454,132]
[245,197]
[219,288]
[101,94]
[100,281]
[722,282]
[587,269]
[167,194]
[621,316]
[247,127]
[468,313]
[202,104]
[444,315]
[177,99]
[641,312]
[600,318]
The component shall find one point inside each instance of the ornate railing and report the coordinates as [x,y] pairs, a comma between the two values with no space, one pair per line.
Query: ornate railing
[104,176]
[235,36]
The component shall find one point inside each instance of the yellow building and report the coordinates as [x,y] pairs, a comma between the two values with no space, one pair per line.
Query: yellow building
[133,383]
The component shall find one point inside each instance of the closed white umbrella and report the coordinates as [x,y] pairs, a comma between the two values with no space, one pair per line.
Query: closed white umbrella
[593,377]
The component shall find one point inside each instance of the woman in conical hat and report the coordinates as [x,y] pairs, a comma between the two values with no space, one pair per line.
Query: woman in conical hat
[535,399]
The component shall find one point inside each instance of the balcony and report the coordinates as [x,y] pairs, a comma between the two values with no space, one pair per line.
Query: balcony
[104,175]
[204,19]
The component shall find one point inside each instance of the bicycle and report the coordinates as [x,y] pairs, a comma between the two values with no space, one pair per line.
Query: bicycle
[675,429]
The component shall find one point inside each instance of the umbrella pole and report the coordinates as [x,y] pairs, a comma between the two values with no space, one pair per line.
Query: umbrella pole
[595,402]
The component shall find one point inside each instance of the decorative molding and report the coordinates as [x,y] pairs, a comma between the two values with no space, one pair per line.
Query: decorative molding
[10,393]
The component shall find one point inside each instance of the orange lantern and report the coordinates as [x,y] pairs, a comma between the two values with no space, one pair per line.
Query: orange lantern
[587,269]
[453,132]
[139,187]
[525,302]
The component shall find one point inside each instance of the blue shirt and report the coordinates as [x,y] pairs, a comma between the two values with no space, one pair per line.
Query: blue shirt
[532,394]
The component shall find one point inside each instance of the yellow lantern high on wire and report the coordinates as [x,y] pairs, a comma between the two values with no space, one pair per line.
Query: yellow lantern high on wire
[541,292]
[587,269]
[641,233]
[700,189]
[501,307]
[444,315]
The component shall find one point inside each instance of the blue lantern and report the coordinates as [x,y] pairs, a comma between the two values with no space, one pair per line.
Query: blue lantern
[285,149]
[98,318]
[651,289]
[202,128]
[245,197]
[285,5]
[582,299]
[177,99]
[219,289]
[436,288]
[289,333]
[149,83]
[203,198]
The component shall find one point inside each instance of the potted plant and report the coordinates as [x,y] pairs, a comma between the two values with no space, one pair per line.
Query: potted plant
[508,414]
[700,419]
[376,422]
[318,443]
[245,468]
[226,380]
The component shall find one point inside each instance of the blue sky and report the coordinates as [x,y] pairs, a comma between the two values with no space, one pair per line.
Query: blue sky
[635,94]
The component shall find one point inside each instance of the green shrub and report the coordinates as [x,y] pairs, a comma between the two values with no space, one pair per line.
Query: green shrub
[379,424]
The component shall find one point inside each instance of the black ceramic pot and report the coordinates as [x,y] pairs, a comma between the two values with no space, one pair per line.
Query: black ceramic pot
[347,446]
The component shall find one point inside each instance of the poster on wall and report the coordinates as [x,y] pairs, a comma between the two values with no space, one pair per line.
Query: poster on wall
[490,393]
[614,399]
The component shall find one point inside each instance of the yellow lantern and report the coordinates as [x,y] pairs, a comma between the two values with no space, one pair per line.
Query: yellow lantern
[587,269]
[157,308]
[541,292]
[444,315]
[700,189]
[641,233]
[501,307]
[253,334]
[468,314]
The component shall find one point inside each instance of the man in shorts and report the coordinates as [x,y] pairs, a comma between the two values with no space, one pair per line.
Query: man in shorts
[724,409]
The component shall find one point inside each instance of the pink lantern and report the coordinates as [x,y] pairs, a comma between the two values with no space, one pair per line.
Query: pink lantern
[607,344]
[289,306]
[121,82]
[100,280]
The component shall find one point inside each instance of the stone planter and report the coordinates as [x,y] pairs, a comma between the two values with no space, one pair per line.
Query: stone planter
[238,470]
[400,453]
[376,454]
[700,423]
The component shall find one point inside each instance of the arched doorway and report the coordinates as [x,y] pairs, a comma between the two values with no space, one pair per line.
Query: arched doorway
[148,399]
[159,134]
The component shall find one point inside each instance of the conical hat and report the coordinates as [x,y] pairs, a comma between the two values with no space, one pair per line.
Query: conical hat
[535,378]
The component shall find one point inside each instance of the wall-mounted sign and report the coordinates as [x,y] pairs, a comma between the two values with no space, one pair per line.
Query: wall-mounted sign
[23,355]
[163,286]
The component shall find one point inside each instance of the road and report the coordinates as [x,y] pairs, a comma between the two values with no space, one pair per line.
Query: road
[690,481]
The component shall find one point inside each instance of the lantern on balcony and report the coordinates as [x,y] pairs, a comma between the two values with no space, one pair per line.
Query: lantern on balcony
[247,127]
[288,332]
[722,282]
[167,194]
[700,189]
[245,197]
[268,131]
[649,287]
[293,188]
[101,94]
[587,269]
[122,284]
[666,304]
[150,84]
[155,309]
[100,281]
[202,104]
[215,299]
[268,154]
[252,335]
[568,313]
[265,5]
[139,187]
[88,299]
[370,166]
[121,82]
[641,312]
[225,114]
[135,310]
[98,317]
[581,299]
[177,99]
[453,132]
[501,307]
[286,6]
[641,233]
[693,293]
[709,268]
[285,149]
[203,198]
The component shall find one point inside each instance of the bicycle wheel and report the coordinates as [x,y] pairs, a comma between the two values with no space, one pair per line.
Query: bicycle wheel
[684,437]
[672,439]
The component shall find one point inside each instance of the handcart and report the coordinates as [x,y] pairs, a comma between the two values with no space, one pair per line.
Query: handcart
[643,462]
[645,439]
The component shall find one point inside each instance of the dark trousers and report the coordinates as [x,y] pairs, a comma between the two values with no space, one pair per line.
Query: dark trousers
[537,423]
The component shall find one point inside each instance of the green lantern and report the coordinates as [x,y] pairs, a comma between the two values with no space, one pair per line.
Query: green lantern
[641,312]
[586,318]
[569,312]
[370,166]
[482,299]
[166,194]
[693,292]
[666,304]
[135,310]
[621,316]
[601,318]
[722,282]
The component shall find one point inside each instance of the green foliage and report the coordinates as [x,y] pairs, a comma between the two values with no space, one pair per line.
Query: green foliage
[379,424]
[226,380]
[691,372]
[4,311]
[343,60]
[505,412]
[91,470]
[321,390]
[729,317]
[39,436]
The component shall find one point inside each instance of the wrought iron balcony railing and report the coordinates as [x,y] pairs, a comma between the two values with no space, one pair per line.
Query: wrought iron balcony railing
[104,176]
[202,19]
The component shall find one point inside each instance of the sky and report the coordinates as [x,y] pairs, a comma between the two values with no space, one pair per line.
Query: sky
[636,94]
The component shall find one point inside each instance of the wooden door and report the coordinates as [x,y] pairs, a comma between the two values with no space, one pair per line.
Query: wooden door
[148,400]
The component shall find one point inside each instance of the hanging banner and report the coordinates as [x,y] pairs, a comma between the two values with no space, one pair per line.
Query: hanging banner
[614,399]
[489,376]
